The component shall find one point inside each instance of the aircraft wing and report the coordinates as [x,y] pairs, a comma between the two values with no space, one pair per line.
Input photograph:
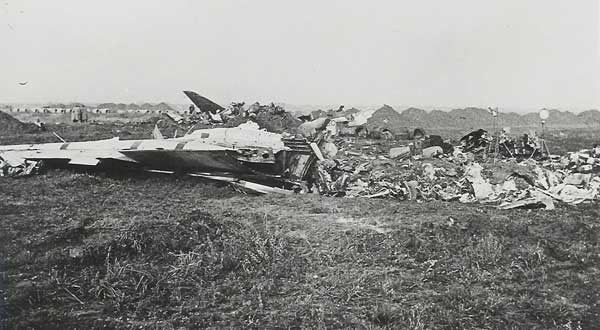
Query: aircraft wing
[173,154]
[74,153]
[72,157]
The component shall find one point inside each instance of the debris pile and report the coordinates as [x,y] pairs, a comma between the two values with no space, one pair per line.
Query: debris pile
[384,123]
[466,173]
[271,117]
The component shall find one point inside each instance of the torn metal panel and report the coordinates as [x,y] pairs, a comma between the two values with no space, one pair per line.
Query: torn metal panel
[245,185]
[12,159]
[297,160]
[174,116]
[20,169]
[536,199]
[157,134]
[84,161]
[237,137]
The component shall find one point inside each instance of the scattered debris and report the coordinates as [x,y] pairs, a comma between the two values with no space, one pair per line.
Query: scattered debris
[399,152]
[432,174]
[11,167]
[174,116]
[271,151]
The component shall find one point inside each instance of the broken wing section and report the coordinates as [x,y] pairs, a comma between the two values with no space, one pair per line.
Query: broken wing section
[20,160]
[72,153]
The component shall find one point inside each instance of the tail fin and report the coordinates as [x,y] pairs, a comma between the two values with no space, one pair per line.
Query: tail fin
[203,103]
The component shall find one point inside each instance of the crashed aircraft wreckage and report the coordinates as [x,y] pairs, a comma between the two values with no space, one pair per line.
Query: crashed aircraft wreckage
[522,175]
[244,156]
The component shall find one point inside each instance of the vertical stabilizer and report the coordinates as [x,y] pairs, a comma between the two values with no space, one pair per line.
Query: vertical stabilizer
[202,103]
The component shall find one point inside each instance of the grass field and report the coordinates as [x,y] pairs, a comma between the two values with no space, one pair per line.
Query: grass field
[107,251]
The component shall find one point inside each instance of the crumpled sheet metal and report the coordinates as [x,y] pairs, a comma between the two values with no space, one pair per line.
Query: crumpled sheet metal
[535,199]
[509,185]
[15,167]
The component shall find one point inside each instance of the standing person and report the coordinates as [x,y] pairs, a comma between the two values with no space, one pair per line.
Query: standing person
[84,115]
[74,116]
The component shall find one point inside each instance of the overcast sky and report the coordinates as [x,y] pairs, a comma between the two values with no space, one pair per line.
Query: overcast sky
[509,53]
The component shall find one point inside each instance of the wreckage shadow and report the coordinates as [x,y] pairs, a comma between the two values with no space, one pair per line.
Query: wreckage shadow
[118,171]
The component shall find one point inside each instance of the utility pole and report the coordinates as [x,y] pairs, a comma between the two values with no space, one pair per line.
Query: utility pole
[544,114]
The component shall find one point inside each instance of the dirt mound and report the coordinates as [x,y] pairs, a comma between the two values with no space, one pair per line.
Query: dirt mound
[590,117]
[162,106]
[414,117]
[132,106]
[386,118]
[11,125]
[469,118]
